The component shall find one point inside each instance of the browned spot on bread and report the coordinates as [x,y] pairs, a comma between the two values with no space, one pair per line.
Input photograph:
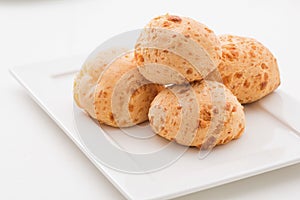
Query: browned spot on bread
[263,85]
[130,107]
[252,54]
[205,114]
[189,71]
[140,58]
[166,24]
[227,56]
[235,54]
[208,30]
[246,84]
[238,75]
[174,18]
[203,124]
[234,109]
[253,47]
[258,76]
[111,116]
[158,17]
[104,94]
[227,79]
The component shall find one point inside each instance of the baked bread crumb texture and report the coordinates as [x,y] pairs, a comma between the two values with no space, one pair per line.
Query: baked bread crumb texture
[189,82]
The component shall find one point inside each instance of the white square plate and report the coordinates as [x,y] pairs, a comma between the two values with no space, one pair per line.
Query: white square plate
[271,139]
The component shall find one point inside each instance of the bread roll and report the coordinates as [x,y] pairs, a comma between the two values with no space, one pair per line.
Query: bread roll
[122,95]
[173,50]
[248,68]
[203,114]
[114,93]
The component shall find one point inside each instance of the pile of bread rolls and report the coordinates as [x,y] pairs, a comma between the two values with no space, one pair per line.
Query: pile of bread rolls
[188,82]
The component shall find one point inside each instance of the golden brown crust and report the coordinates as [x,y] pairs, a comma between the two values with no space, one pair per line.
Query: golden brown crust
[122,95]
[248,68]
[200,56]
[219,119]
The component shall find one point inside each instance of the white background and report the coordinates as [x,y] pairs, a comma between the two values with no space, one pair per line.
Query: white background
[37,161]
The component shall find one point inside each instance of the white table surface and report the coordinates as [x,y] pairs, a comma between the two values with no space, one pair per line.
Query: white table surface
[38,161]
